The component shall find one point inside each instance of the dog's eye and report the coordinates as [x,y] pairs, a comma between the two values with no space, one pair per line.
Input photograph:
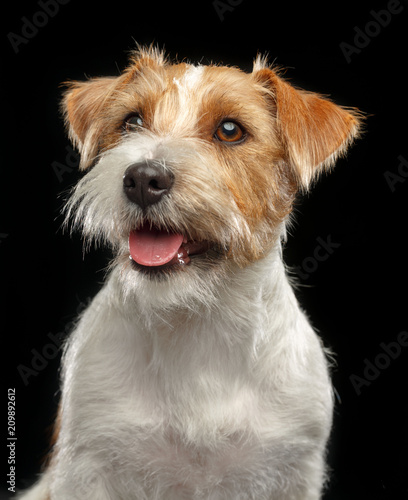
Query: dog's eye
[229,132]
[133,122]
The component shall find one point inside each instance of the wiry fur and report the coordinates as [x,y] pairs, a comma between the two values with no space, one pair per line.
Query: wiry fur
[203,381]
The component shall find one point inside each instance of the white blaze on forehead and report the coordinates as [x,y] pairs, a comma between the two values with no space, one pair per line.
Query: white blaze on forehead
[190,79]
[186,86]
[192,76]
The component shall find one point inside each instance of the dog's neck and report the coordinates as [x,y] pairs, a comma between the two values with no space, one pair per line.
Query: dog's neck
[185,358]
[183,350]
[240,305]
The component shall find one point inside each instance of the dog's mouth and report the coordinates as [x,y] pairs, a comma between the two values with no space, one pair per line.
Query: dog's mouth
[155,248]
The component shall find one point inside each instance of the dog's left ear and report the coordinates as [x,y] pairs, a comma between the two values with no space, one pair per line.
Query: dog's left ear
[313,130]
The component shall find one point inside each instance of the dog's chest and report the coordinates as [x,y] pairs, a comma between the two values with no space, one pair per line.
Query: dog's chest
[190,442]
[180,410]
[168,457]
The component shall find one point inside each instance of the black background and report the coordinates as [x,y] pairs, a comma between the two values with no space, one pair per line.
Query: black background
[356,298]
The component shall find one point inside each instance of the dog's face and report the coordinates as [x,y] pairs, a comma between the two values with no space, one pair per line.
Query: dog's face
[193,169]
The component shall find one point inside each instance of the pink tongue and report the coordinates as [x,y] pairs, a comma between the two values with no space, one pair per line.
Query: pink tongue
[153,247]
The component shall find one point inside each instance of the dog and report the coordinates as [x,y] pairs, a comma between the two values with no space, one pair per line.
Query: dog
[194,374]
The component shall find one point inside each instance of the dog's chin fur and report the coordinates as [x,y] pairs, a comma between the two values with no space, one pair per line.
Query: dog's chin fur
[179,286]
[199,378]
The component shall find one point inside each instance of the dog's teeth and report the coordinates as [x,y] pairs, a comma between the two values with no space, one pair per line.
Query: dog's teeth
[183,257]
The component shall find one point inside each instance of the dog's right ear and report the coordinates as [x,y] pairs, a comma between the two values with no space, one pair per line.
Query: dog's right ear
[83,104]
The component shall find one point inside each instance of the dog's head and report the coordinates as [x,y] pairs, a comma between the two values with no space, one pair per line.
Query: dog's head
[196,167]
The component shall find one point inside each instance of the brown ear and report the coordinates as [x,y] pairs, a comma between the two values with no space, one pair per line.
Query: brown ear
[313,130]
[84,103]
[83,106]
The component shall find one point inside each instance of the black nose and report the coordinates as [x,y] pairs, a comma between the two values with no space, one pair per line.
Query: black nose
[146,183]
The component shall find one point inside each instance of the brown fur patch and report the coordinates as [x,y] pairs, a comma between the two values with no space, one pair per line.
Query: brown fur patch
[55,431]
[314,131]
[290,135]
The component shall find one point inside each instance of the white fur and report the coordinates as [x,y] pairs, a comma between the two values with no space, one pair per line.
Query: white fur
[230,401]
[206,385]
[191,78]
[187,112]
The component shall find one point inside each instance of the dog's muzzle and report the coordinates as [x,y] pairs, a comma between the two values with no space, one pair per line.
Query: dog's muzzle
[146,183]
